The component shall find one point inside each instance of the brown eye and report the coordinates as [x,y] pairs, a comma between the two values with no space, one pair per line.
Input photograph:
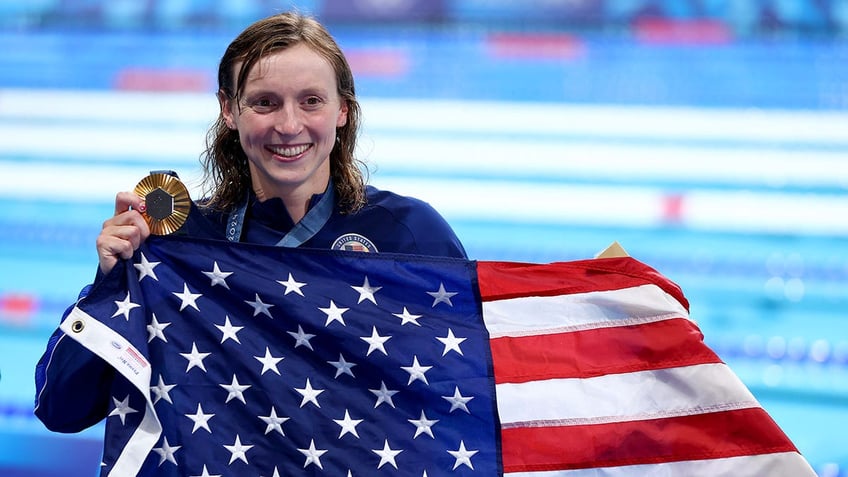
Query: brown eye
[263,105]
[312,101]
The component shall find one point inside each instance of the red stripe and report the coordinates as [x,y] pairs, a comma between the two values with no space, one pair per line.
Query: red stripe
[704,436]
[148,79]
[504,280]
[535,46]
[584,354]
[699,31]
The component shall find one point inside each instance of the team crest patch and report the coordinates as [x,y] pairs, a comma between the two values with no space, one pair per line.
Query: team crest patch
[354,243]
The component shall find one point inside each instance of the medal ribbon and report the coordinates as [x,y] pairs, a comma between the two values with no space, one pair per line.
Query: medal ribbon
[309,225]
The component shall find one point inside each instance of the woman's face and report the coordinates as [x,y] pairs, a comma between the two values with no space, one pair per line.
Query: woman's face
[286,120]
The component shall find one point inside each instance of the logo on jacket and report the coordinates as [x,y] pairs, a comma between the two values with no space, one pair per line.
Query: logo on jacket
[354,243]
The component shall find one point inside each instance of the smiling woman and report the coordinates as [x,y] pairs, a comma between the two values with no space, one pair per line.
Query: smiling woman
[280,157]
[281,171]
[286,117]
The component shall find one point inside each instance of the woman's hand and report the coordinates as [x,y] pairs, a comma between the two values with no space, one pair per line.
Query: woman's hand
[123,233]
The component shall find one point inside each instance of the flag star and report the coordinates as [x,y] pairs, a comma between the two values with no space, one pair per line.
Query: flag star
[366,292]
[269,363]
[217,276]
[145,268]
[292,285]
[275,474]
[313,455]
[228,331]
[407,317]
[462,456]
[161,391]
[334,313]
[383,395]
[348,425]
[274,422]
[122,408]
[235,390]
[387,455]
[200,419]
[416,371]
[195,358]
[124,307]
[187,298]
[260,307]
[301,338]
[423,425]
[156,329]
[342,366]
[441,296]
[375,341]
[451,342]
[166,452]
[309,394]
[206,473]
[238,451]
[458,401]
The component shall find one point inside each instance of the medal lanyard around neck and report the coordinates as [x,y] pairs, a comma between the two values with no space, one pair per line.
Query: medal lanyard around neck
[309,225]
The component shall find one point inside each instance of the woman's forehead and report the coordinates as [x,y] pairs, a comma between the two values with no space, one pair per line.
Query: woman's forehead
[297,62]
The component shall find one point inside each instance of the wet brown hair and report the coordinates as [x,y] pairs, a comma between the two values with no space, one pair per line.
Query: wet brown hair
[226,173]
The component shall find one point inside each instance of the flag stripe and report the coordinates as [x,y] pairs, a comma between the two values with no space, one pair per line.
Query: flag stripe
[590,353]
[703,436]
[504,280]
[629,396]
[548,314]
[786,464]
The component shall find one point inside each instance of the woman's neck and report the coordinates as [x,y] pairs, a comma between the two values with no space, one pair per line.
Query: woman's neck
[296,201]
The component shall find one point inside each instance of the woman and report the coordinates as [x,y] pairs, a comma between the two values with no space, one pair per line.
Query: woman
[281,169]
[280,159]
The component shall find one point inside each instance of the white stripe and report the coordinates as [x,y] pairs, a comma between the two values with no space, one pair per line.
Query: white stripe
[74,183]
[768,212]
[509,117]
[113,348]
[550,314]
[532,202]
[488,117]
[140,119]
[640,395]
[786,464]
[740,166]
[104,144]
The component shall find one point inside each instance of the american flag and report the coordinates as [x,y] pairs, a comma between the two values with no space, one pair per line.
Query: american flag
[246,360]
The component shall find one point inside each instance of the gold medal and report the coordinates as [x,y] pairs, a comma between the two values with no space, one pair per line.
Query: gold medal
[166,200]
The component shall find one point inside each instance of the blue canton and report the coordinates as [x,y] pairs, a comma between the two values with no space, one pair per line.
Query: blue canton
[277,362]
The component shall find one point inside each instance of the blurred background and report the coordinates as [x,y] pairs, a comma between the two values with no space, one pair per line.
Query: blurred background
[708,137]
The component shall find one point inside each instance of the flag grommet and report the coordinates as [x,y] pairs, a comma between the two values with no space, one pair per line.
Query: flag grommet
[77,326]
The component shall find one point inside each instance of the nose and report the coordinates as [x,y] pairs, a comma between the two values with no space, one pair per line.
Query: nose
[288,121]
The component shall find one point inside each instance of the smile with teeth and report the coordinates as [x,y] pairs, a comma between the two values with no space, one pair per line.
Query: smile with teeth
[289,151]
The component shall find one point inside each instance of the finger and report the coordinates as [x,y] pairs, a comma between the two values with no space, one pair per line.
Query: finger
[120,238]
[110,248]
[129,226]
[125,201]
[115,246]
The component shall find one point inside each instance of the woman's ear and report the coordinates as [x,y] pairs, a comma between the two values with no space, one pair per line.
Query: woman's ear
[226,109]
[341,120]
